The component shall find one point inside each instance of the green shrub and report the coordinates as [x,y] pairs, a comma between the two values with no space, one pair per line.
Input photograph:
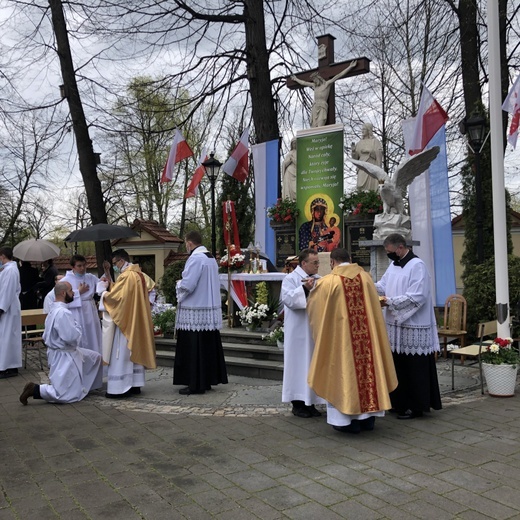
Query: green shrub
[167,283]
[480,293]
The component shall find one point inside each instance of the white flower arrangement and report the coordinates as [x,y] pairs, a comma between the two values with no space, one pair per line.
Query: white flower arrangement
[274,336]
[237,261]
[255,314]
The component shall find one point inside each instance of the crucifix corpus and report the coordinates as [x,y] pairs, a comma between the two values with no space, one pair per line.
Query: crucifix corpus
[322,80]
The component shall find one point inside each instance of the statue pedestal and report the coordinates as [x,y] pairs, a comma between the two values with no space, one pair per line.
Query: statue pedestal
[285,238]
[387,223]
[359,229]
[379,262]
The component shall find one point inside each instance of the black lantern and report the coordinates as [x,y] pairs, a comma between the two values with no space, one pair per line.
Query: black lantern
[212,167]
[475,127]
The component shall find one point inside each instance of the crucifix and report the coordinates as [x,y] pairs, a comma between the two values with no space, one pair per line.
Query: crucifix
[322,80]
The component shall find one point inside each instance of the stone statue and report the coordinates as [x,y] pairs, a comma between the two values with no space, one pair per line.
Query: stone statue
[321,88]
[370,150]
[393,189]
[289,173]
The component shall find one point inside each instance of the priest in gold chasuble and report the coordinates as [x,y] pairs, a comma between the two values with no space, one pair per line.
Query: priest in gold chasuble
[352,366]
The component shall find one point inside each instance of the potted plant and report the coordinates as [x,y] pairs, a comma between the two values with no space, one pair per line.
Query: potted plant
[500,366]
[275,336]
[163,318]
[284,211]
[253,315]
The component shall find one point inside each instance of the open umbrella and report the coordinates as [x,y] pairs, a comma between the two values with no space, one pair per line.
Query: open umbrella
[100,232]
[36,250]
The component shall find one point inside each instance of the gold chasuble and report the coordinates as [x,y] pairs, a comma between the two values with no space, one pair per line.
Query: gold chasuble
[128,305]
[352,366]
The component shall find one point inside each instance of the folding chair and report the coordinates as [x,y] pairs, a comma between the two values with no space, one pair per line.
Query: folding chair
[487,328]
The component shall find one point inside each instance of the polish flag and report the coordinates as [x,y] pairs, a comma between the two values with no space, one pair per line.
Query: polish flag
[179,151]
[430,118]
[237,165]
[512,105]
[197,176]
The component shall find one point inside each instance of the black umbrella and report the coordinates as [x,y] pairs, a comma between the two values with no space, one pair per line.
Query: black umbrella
[100,232]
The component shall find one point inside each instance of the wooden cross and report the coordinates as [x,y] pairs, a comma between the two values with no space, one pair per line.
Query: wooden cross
[327,69]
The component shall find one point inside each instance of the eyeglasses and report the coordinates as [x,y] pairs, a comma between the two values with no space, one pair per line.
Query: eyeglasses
[316,262]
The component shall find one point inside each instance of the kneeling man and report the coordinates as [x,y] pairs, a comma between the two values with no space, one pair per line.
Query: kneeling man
[74,371]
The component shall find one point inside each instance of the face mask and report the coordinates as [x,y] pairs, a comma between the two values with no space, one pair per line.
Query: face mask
[68,298]
[393,256]
[116,269]
[78,274]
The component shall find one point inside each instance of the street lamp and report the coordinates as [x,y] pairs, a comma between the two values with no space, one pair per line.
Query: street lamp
[212,167]
[475,127]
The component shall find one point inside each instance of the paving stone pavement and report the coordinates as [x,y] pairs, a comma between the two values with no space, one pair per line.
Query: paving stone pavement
[237,453]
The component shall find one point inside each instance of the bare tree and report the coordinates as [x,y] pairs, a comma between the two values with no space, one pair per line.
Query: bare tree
[29,145]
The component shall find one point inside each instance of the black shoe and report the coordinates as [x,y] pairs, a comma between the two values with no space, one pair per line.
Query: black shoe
[189,391]
[368,424]
[302,412]
[28,391]
[410,414]
[10,372]
[353,427]
[312,410]
[135,390]
[128,393]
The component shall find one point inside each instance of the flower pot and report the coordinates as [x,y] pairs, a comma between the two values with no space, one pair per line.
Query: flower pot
[279,344]
[265,325]
[500,379]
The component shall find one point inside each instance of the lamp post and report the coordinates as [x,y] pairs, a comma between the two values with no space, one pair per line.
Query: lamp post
[475,127]
[212,167]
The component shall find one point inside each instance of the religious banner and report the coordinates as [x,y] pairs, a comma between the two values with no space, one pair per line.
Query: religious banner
[319,187]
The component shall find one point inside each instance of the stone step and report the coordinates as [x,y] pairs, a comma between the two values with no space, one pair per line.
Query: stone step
[237,365]
[245,352]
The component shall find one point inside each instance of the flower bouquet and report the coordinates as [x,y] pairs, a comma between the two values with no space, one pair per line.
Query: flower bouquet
[235,261]
[284,211]
[361,203]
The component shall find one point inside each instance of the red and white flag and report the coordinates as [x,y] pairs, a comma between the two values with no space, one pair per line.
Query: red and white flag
[197,176]
[237,165]
[179,151]
[430,118]
[512,105]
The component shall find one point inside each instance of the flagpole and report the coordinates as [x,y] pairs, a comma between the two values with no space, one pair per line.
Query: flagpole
[497,172]
[228,245]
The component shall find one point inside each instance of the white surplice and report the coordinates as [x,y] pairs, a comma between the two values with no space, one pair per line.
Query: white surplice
[74,370]
[10,321]
[409,315]
[298,343]
[84,310]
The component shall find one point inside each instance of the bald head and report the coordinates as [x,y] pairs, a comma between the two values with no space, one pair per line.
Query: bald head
[63,292]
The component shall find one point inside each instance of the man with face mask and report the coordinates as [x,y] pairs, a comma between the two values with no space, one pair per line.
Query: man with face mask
[412,330]
[74,371]
[129,347]
[83,307]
